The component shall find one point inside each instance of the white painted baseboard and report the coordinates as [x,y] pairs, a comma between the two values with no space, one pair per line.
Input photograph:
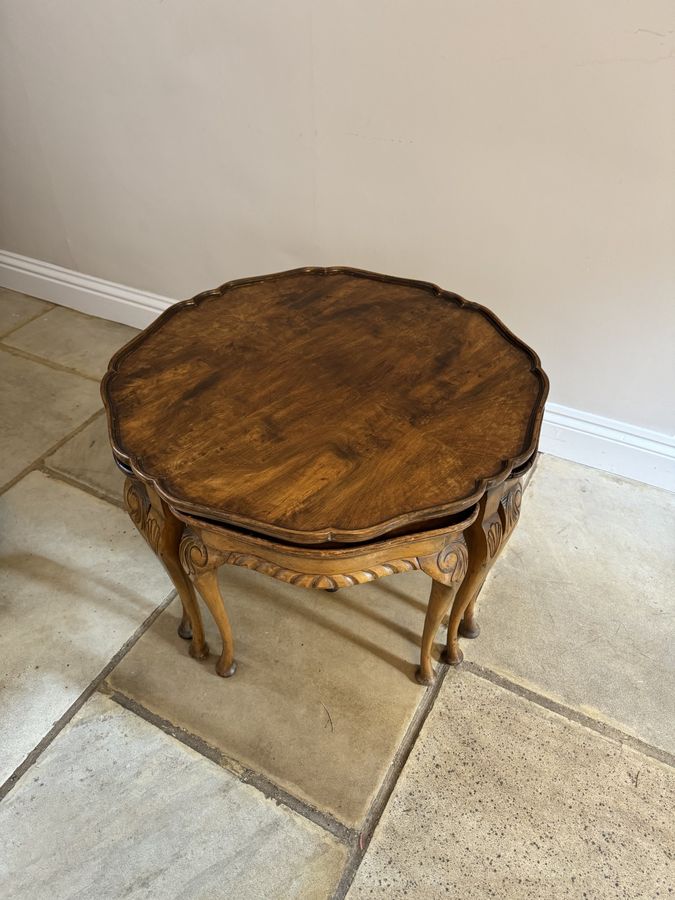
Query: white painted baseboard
[616,447]
[86,293]
[583,437]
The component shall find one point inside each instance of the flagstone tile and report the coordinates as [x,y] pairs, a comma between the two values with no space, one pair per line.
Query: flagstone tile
[581,605]
[76,581]
[17,309]
[87,458]
[324,691]
[114,807]
[502,798]
[72,339]
[39,406]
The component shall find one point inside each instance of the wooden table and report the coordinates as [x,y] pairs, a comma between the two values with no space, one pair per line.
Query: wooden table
[326,427]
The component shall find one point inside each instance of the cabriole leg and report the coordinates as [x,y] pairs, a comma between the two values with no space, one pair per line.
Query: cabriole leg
[185,627]
[447,569]
[469,627]
[207,585]
[201,563]
[453,654]
[439,602]
[191,626]
[162,530]
[485,539]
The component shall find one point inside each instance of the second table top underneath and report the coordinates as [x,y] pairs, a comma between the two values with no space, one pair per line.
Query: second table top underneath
[324,404]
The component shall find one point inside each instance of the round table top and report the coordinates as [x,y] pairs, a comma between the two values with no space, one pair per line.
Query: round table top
[324,404]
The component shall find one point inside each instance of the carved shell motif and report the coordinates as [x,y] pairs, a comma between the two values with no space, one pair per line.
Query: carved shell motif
[138,506]
[494,537]
[153,531]
[136,502]
[511,505]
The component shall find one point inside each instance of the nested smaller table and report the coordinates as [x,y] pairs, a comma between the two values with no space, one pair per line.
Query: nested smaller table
[326,427]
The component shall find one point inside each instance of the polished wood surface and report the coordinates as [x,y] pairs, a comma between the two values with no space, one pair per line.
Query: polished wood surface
[326,428]
[324,405]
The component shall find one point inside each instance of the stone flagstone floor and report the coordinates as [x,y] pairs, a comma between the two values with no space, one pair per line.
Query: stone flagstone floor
[542,768]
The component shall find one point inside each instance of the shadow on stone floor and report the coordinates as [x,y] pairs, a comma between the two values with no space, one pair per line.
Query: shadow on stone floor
[323,694]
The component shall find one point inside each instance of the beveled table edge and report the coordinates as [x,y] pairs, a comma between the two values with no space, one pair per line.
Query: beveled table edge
[328,532]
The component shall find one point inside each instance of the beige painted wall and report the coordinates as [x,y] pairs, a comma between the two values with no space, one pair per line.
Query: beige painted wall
[519,153]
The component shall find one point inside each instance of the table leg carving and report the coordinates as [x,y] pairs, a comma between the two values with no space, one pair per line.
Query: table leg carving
[447,570]
[486,537]
[509,509]
[201,562]
[162,530]
[483,538]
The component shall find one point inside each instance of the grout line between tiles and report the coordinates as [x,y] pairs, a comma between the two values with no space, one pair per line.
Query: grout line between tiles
[32,318]
[82,485]
[272,791]
[568,712]
[39,463]
[16,351]
[389,782]
[247,776]
[180,734]
[423,710]
[53,732]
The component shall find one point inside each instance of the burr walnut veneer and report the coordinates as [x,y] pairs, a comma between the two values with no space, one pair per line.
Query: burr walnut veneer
[326,427]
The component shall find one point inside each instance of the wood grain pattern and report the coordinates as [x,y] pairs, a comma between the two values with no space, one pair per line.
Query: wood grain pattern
[324,405]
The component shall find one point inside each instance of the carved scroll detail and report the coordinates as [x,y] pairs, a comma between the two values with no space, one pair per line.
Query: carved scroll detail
[511,506]
[195,556]
[494,537]
[450,565]
[453,560]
